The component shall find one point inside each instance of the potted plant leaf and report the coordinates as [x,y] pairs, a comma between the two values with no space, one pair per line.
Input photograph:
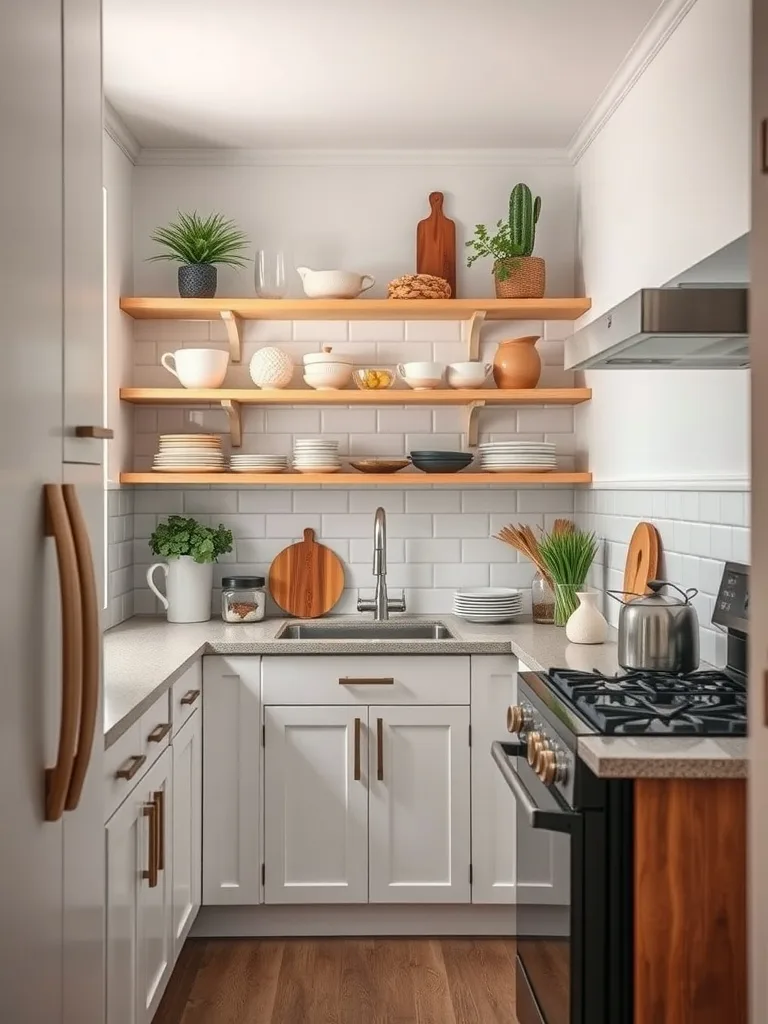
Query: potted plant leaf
[198,244]
[191,549]
[567,557]
[517,273]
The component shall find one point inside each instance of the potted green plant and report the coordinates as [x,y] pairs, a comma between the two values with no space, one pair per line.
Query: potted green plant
[517,273]
[567,556]
[198,244]
[191,549]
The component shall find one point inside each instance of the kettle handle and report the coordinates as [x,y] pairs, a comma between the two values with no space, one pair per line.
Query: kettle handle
[687,595]
[619,595]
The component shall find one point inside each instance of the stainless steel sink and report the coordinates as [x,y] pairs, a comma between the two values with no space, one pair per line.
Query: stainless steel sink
[365,631]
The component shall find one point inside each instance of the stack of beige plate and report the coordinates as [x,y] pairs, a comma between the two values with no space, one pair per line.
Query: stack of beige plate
[315,455]
[189,453]
[258,463]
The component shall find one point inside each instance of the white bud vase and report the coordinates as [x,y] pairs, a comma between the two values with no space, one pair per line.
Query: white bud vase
[587,624]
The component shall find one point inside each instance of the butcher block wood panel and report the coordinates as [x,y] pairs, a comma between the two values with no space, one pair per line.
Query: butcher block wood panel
[690,901]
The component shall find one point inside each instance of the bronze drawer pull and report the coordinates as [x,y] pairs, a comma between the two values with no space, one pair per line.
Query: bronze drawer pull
[366,681]
[357,749]
[190,697]
[159,798]
[159,732]
[150,811]
[100,433]
[134,763]
[380,749]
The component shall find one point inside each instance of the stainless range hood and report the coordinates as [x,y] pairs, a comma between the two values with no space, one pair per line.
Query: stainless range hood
[703,328]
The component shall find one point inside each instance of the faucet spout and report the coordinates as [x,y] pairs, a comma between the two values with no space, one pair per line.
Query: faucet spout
[380,543]
[381,604]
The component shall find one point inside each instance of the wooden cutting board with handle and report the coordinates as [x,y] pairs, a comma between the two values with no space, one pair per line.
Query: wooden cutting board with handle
[436,244]
[306,579]
[642,559]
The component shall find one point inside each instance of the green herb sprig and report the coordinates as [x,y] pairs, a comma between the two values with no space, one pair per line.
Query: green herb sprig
[179,536]
[568,556]
[193,239]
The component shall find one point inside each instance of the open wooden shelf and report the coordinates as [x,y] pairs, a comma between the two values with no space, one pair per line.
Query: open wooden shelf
[355,309]
[307,396]
[406,478]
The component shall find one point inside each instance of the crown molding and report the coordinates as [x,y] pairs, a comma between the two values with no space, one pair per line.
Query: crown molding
[656,33]
[149,157]
[120,133]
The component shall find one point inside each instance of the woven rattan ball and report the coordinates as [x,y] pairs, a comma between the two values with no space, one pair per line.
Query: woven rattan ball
[419,286]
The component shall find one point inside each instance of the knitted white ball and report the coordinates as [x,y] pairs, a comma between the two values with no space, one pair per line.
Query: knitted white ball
[271,368]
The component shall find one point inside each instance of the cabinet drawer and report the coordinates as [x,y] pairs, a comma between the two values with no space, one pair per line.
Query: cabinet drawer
[186,695]
[126,754]
[365,679]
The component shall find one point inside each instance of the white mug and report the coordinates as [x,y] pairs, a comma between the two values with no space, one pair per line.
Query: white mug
[197,367]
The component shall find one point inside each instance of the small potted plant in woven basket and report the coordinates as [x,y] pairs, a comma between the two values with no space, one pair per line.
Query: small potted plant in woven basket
[198,244]
[517,273]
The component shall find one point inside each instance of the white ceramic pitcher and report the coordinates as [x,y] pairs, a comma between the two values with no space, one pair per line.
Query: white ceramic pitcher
[188,588]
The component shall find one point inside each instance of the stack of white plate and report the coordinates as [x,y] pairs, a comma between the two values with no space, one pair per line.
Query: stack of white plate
[524,456]
[487,604]
[315,455]
[258,463]
[189,453]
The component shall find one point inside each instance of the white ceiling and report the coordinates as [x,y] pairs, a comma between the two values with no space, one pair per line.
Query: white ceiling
[363,73]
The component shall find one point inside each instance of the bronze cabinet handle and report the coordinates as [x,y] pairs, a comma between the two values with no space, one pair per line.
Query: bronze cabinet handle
[57,525]
[159,799]
[190,697]
[380,749]
[131,767]
[150,811]
[159,733]
[358,772]
[91,658]
[370,681]
[100,433]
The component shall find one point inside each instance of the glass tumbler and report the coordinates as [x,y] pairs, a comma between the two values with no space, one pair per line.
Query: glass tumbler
[270,274]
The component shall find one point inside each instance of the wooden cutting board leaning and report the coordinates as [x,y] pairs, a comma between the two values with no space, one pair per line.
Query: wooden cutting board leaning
[306,579]
[642,559]
[436,244]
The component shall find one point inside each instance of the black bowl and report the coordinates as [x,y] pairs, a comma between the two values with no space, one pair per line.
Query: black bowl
[433,466]
[443,456]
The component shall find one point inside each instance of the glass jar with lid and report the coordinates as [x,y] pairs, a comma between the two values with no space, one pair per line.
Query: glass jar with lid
[243,598]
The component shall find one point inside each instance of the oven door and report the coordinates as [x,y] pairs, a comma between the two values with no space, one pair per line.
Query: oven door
[547,949]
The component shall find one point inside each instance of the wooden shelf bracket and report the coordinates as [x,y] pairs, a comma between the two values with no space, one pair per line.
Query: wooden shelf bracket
[234,413]
[472,424]
[234,325]
[471,329]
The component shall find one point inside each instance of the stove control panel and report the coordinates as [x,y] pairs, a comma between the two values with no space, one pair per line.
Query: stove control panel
[549,758]
[732,603]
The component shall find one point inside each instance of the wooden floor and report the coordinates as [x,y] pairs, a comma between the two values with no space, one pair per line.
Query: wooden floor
[342,981]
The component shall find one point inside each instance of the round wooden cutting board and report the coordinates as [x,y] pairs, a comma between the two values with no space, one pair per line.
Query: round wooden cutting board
[306,579]
[642,559]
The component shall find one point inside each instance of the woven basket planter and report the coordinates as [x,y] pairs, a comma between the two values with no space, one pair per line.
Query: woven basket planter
[527,278]
[197,281]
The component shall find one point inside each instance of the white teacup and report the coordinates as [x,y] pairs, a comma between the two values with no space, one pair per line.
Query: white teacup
[422,376]
[197,367]
[468,375]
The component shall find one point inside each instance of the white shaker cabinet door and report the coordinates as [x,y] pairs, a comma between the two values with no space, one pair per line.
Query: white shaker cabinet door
[419,804]
[315,805]
[126,858]
[494,688]
[187,827]
[154,927]
[231,790]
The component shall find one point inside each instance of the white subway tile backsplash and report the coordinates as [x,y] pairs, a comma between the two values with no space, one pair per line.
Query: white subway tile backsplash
[466,524]
[159,502]
[378,330]
[709,507]
[732,508]
[512,574]
[292,525]
[345,525]
[550,500]
[322,331]
[437,550]
[700,539]
[348,420]
[437,500]
[401,420]
[740,548]
[263,500]
[320,500]
[212,501]
[500,519]
[721,543]
[408,525]
[432,330]
[477,549]
[244,525]
[464,575]
[377,444]
[489,500]
[361,550]
[300,422]
[553,420]
[368,500]
[406,574]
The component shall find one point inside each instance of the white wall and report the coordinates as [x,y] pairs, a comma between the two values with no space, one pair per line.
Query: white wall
[353,216]
[663,186]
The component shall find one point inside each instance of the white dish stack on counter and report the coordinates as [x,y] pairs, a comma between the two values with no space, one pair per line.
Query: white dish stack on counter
[488,604]
[189,453]
[314,455]
[524,456]
[258,463]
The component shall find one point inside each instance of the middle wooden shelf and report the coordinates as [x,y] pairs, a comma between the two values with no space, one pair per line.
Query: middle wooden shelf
[305,396]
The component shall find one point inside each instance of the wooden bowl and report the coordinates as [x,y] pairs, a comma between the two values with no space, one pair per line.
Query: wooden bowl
[379,465]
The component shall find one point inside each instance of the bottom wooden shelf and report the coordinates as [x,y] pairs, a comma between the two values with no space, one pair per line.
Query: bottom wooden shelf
[354,479]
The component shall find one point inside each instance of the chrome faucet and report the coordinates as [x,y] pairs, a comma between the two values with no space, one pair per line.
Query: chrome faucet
[381,605]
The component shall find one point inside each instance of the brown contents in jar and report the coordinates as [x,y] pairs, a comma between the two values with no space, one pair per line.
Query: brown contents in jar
[543,613]
[242,608]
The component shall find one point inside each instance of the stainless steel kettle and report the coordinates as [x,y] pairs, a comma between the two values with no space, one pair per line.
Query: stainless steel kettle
[657,632]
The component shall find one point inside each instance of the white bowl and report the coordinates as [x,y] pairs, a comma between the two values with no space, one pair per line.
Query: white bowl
[468,375]
[328,376]
[421,376]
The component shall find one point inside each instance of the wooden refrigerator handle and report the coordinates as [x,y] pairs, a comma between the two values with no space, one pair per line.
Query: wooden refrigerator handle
[91,646]
[57,525]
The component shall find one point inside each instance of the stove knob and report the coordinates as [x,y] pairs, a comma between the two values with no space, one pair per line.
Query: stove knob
[551,767]
[536,743]
[517,718]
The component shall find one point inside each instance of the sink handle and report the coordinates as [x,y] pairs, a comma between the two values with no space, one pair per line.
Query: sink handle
[397,604]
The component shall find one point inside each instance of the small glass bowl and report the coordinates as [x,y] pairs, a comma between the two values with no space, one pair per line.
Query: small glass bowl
[374,378]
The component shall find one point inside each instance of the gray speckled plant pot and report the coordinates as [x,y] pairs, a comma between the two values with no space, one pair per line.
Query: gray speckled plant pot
[198,281]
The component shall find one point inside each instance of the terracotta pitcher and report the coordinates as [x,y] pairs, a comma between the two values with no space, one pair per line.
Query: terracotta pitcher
[517,363]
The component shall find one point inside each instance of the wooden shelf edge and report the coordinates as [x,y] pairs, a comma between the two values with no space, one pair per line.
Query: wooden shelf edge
[254,396]
[171,308]
[355,479]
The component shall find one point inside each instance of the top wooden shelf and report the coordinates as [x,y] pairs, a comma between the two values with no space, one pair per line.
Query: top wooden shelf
[355,309]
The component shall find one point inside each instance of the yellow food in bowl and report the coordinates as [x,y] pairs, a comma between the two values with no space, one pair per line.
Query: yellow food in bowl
[374,380]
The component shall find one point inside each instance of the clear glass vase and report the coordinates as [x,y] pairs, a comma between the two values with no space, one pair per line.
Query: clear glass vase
[566,601]
[270,277]
[542,601]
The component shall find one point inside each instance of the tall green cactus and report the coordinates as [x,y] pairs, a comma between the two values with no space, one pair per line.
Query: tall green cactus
[523,216]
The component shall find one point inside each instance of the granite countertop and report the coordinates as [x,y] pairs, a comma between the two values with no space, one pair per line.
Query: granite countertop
[144,656]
